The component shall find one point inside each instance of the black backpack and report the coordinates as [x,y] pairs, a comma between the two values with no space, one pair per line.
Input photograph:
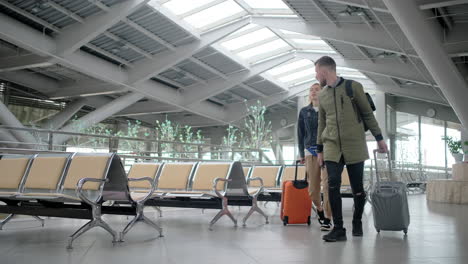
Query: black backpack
[350,94]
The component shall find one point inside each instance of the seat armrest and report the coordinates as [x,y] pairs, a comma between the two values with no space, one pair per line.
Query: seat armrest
[215,183]
[260,190]
[150,180]
[79,188]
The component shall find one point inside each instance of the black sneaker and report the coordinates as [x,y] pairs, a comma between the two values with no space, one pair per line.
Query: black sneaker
[337,234]
[326,225]
[357,228]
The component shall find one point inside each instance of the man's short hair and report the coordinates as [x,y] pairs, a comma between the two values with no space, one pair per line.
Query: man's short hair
[326,61]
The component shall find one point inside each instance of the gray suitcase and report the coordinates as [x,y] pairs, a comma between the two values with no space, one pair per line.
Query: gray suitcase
[389,201]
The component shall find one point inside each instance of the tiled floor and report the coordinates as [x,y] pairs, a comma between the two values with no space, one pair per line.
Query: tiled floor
[437,234]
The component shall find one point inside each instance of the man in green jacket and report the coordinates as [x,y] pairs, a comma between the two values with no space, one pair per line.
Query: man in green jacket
[341,141]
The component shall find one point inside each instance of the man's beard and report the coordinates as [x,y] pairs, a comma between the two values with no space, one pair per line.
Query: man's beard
[323,83]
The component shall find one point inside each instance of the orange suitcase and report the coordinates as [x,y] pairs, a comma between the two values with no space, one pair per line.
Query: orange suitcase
[295,201]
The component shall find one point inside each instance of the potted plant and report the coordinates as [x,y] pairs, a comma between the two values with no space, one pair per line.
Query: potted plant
[455,147]
[466,152]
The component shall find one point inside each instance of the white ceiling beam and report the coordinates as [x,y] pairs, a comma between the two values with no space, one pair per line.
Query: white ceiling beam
[29,79]
[30,16]
[324,12]
[149,34]
[208,68]
[380,7]
[201,8]
[158,7]
[414,91]
[148,107]
[255,44]
[99,4]
[27,38]
[429,4]
[128,44]
[65,11]
[20,62]
[238,110]
[242,33]
[364,53]
[421,33]
[108,54]
[78,35]
[149,68]
[99,115]
[387,67]
[217,86]
[86,89]
[252,90]
[355,34]
[188,74]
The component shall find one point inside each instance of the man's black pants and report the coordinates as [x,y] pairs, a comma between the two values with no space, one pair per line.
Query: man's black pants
[355,172]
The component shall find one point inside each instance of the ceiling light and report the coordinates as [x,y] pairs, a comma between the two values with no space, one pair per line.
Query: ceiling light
[44,4]
[344,13]
[115,50]
[352,11]
[35,9]
[385,54]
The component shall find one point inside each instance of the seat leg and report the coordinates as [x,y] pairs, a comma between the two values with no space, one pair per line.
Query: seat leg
[39,219]
[159,210]
[6,220]
[95,222]
[153,224]
[140,217]
[255,208]
[222,212]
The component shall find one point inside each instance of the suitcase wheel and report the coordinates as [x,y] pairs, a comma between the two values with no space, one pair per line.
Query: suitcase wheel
[308,220]
[405,231]
[285,220]
[378,230]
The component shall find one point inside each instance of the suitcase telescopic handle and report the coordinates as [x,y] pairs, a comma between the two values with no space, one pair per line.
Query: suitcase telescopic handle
[295,171]
[377,177]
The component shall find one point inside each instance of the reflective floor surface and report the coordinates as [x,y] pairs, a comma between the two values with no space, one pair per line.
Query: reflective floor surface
[437,234]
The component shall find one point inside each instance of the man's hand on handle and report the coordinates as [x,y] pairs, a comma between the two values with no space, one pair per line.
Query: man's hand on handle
[302,160]
[382,146]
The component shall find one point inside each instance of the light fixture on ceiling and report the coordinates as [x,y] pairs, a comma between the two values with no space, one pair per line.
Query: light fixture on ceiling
[385,54]
[39,6]
[352,11]
[115,50]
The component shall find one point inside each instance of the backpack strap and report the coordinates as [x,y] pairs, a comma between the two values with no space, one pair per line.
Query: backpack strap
[350,94]
[349,89]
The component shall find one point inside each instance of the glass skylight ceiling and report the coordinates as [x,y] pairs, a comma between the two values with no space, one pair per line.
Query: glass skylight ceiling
[254,43]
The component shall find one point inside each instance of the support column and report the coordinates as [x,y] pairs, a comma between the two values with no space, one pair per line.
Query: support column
[381,113]
[464,138]
[8,119]
[421,33]
[66,114]
[100,114]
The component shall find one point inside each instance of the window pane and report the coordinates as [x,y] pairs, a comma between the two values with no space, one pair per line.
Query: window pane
[266,4]
[248,39]
[290,66]
[179,7]
[265,48]
[454,131]
[432,145]
[309,72]
[214,14]
[406,139]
